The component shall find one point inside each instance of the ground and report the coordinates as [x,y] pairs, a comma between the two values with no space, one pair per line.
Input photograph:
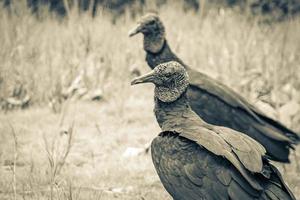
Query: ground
[96,167]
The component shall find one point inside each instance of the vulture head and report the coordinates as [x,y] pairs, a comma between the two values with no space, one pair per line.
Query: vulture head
[170,79]
[153,30]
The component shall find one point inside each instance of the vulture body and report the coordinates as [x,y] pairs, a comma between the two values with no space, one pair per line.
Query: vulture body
[196,160]
[216,103]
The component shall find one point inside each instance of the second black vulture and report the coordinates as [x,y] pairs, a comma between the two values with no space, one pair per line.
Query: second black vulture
[196,160]
[213,101]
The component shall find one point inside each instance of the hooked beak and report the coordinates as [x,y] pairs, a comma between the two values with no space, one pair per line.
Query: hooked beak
[146,78]
[137,29]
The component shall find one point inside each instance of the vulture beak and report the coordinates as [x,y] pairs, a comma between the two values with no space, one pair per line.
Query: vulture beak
[146,78]
[137,29]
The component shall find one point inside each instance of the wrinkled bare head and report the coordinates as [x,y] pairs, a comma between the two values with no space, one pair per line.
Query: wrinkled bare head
[153,30]
[170,79]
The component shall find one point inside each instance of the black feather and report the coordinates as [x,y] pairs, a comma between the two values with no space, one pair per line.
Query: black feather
[196,160]
[217,104]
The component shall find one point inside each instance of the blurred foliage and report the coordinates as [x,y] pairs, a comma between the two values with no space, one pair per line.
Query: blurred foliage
[274,9]
[48,60]
[278,9]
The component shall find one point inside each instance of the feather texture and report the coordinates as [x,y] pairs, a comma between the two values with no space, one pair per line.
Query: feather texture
[197,160]
[190,172]
[216,103]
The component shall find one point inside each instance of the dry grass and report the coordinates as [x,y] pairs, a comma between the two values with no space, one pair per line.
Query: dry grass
[45,55]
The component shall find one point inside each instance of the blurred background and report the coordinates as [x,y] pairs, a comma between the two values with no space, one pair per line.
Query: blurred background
[71,127]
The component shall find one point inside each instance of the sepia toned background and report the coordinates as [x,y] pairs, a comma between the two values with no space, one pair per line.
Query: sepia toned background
[71,127]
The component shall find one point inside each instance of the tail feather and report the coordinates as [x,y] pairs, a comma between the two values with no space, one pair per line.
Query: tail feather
[276,193]
[277,189]
[292,135]
[272,196]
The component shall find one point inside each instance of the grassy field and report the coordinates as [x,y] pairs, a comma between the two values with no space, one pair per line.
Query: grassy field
[42,158]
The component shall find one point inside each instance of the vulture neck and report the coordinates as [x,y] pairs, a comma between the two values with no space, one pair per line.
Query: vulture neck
[171,115]
[154,42]
[164,54]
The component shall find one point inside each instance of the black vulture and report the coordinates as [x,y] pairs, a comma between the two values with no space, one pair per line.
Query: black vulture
[196,160]
[213,101]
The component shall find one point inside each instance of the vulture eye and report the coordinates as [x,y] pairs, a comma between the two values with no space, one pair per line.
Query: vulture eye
[168,74]
[151,22]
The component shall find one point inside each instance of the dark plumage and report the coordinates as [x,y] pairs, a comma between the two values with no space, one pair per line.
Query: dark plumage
[196,160]
[214,102]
